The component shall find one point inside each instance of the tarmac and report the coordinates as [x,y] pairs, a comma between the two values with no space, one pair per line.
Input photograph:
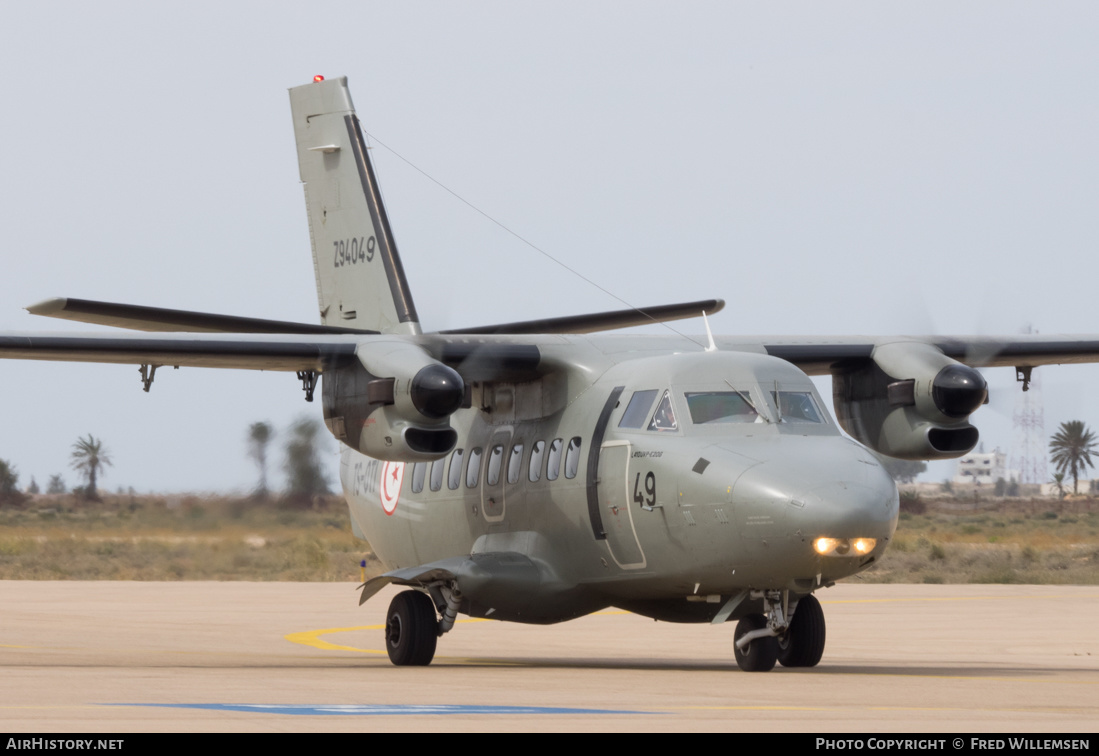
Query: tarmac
[126,657]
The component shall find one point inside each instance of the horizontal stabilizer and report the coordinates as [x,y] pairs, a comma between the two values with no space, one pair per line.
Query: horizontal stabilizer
[601,321]
[141,318]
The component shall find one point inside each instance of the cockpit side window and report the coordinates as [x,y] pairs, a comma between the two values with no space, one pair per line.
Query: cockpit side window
[637,411]
[796,407]
[664,417]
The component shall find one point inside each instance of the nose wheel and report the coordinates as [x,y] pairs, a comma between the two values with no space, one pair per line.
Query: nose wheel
[411,629]
[758,654]
[803,644]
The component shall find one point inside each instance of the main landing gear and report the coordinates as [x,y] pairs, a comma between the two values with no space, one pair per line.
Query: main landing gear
[790,635]
[412,628]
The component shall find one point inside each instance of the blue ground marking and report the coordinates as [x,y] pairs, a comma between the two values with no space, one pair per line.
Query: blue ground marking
[374,710]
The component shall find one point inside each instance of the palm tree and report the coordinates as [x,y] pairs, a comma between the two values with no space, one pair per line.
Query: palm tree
[9,479]
[89,458]
[1059,483]
[259,436]
[56,485]
[1071,448]
[305,473]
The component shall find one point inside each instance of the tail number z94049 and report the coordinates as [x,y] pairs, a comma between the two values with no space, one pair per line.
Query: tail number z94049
[353,250]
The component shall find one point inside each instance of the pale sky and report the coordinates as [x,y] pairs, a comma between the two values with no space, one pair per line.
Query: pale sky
[827,168]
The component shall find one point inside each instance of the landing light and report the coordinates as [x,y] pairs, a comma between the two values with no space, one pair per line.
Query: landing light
[844,546]
[864,545]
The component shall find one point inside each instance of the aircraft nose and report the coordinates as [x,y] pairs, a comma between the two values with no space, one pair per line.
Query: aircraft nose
[831,488]
[843,509]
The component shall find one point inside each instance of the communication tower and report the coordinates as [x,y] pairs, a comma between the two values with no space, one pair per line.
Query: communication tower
[1029,450]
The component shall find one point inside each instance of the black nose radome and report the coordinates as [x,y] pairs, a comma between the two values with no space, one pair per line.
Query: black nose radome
[437,391]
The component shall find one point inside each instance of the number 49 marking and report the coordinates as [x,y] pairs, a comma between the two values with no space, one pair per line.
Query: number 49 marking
[650,489]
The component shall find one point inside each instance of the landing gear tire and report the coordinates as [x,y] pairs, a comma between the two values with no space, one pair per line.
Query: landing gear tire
[803,644]
[760,655]
[411,629]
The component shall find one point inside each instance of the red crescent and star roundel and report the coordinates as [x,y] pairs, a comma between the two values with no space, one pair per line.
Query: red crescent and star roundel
[392,477]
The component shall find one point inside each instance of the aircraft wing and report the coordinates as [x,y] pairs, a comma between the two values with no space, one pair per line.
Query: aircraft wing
[501,357]
[821,356]
[483,359]
[244,351]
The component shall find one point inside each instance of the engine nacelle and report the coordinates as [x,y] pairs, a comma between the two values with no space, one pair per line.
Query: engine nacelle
[911,402]
[394,403]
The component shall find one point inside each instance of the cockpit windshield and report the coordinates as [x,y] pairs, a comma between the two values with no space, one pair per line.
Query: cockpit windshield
[720,407]
[796,407]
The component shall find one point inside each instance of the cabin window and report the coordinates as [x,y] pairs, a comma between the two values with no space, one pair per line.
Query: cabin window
[495,462]
[419,470]
[664,417]
[515,463]
[796,407]
[473,469]
[572,458]
[455,477]
[536,453]
[721,407]
[553,466]
[437,468]
[637,411]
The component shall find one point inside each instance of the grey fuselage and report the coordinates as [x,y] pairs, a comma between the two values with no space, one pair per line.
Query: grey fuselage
[667,522]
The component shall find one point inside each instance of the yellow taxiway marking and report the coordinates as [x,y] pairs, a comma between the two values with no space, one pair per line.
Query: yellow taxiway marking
[313,637]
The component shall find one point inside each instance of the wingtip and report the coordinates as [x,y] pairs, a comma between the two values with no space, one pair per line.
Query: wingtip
[47,306]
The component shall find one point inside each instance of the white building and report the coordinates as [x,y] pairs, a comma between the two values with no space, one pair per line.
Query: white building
[983,469]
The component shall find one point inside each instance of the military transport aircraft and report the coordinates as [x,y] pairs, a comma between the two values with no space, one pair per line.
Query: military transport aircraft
[539,471]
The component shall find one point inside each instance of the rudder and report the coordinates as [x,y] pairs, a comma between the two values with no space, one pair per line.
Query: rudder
[360,279]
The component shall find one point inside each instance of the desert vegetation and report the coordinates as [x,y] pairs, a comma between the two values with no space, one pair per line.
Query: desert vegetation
[1038,541]
[135,537]
[67,537]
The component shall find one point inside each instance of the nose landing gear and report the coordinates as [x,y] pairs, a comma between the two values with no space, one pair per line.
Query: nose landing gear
[802,644]
[790,635]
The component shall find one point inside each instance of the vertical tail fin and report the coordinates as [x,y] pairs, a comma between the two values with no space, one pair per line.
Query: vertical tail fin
[360,280]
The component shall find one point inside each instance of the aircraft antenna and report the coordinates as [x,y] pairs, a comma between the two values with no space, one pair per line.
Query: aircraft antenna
[711,346]
[534,246]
